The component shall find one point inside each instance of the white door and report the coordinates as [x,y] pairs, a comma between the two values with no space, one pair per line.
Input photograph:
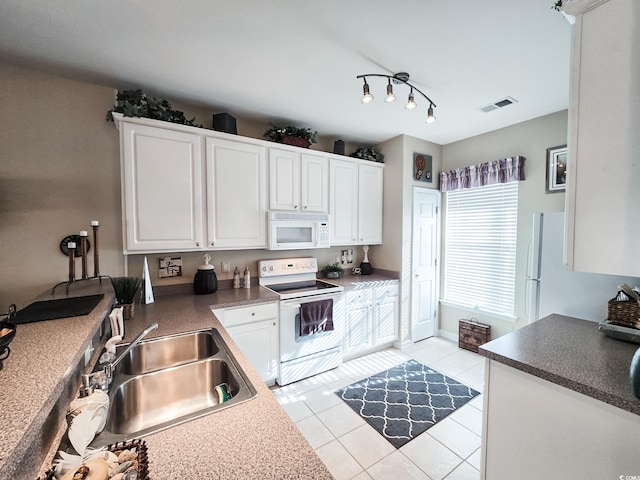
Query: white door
[424,268]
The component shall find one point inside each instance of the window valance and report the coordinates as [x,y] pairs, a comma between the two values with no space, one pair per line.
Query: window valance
[499,171]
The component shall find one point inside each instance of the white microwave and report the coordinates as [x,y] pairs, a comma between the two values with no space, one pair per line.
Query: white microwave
[294,230]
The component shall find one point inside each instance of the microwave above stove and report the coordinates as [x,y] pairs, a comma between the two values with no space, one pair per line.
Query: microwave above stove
[294,231]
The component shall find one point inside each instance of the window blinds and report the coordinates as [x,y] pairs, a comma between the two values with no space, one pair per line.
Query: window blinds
[480,247]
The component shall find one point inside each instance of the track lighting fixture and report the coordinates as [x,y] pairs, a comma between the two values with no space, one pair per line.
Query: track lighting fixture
[366,97]
[398,79]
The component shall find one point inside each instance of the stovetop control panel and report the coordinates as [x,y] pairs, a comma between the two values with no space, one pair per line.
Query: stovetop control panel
[287,266]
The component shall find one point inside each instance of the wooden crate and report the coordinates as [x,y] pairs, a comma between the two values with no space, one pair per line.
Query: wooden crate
[472,334]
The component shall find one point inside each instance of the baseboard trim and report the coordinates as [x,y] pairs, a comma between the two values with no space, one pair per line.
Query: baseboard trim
[402,345]
[448,335]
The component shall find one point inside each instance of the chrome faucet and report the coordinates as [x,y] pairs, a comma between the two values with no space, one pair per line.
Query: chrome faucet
[88,380]
[111,366]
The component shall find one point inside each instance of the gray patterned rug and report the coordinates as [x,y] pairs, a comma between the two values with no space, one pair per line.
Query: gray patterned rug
[406,400]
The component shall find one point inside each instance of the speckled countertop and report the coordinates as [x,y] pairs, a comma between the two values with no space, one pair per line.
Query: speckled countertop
[253,440]
[571,353]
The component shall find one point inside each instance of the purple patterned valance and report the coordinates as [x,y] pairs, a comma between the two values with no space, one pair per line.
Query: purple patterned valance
[499,171]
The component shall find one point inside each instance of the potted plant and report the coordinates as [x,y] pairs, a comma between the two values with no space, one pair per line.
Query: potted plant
[126,289]
[291,135]
[135,103]
[333,270]
[368,153]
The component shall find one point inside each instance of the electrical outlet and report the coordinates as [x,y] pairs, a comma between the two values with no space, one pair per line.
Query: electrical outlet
[225,267]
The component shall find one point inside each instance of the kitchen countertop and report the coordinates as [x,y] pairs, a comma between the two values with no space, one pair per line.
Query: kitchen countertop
[572,353]
[255,439]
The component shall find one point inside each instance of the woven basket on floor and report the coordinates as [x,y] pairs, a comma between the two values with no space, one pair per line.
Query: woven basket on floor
[626,313]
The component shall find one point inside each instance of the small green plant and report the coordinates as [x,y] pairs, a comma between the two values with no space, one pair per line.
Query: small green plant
[126,288]
[333,270]
[276,133]
[135,103]
[368,153]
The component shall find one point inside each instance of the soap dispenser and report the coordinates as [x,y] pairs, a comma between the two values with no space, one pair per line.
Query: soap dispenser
[205,280]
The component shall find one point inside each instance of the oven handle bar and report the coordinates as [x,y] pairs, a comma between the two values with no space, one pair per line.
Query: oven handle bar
[296,305]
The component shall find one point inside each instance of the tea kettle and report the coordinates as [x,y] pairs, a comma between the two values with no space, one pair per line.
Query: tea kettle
[205,280]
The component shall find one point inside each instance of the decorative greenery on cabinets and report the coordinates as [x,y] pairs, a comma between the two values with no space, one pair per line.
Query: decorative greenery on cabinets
[135,103]
[281,134]
[368,153]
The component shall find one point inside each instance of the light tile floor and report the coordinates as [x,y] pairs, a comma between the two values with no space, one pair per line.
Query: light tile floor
[351,449]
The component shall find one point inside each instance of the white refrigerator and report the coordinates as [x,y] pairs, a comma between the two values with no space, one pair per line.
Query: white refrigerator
[551,288]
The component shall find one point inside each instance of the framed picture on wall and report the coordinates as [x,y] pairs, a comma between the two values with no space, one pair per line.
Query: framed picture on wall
[422,167]
[556,169]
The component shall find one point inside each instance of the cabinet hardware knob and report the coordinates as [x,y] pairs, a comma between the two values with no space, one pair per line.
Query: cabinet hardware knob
[197,244]
[253,314]
[213,243]
[305,207]
[274,324]
[295,206]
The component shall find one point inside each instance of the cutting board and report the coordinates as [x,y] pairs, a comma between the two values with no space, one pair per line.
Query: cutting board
[59,308]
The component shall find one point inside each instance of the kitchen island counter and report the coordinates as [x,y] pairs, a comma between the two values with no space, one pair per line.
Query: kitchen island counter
[558,404]
[572,353]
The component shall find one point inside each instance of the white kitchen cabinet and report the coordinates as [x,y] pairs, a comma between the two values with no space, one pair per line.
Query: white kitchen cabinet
[355,202]
[162,189]
[255,330]
[236,194]
[385,311]
[298,181]
[358,321]
[371,317]
[603,198]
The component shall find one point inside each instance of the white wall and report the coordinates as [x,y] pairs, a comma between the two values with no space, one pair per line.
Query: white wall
[531,140]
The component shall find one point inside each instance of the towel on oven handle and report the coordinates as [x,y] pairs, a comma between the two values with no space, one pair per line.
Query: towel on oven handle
[316,317]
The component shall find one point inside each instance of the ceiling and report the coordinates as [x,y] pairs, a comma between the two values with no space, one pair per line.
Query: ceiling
[296,61]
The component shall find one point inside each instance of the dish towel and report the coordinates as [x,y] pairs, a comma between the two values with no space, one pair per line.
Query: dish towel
[316,317]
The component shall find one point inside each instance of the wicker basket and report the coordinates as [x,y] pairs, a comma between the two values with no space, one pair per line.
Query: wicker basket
[136,444]
[626,314]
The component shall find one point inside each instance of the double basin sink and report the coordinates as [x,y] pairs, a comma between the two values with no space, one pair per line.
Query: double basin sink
[170,380]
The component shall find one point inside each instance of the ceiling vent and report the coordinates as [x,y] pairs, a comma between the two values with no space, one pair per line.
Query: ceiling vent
[498,104]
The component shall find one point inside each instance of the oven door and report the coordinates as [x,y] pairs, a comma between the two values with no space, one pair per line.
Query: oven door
[292,345]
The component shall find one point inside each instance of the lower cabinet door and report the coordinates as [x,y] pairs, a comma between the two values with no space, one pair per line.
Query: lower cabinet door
[259,343]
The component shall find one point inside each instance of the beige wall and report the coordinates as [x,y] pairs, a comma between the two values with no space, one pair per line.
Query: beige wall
[395,252]
[531,140]
[60,169]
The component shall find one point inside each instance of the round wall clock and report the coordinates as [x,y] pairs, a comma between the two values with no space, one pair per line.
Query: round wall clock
[73,238]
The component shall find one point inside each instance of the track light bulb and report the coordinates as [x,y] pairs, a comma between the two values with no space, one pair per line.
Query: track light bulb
[366,97]
[430,116]
[390,96]
[411,104]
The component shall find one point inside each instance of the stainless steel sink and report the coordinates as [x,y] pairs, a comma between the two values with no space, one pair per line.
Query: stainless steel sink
[164,352]
[155,398]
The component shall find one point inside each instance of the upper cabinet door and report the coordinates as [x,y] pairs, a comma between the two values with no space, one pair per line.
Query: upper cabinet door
[343,202]
[314,193]
[162,188]
[236,194]
[369,204]
[284,180]
[298,182]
